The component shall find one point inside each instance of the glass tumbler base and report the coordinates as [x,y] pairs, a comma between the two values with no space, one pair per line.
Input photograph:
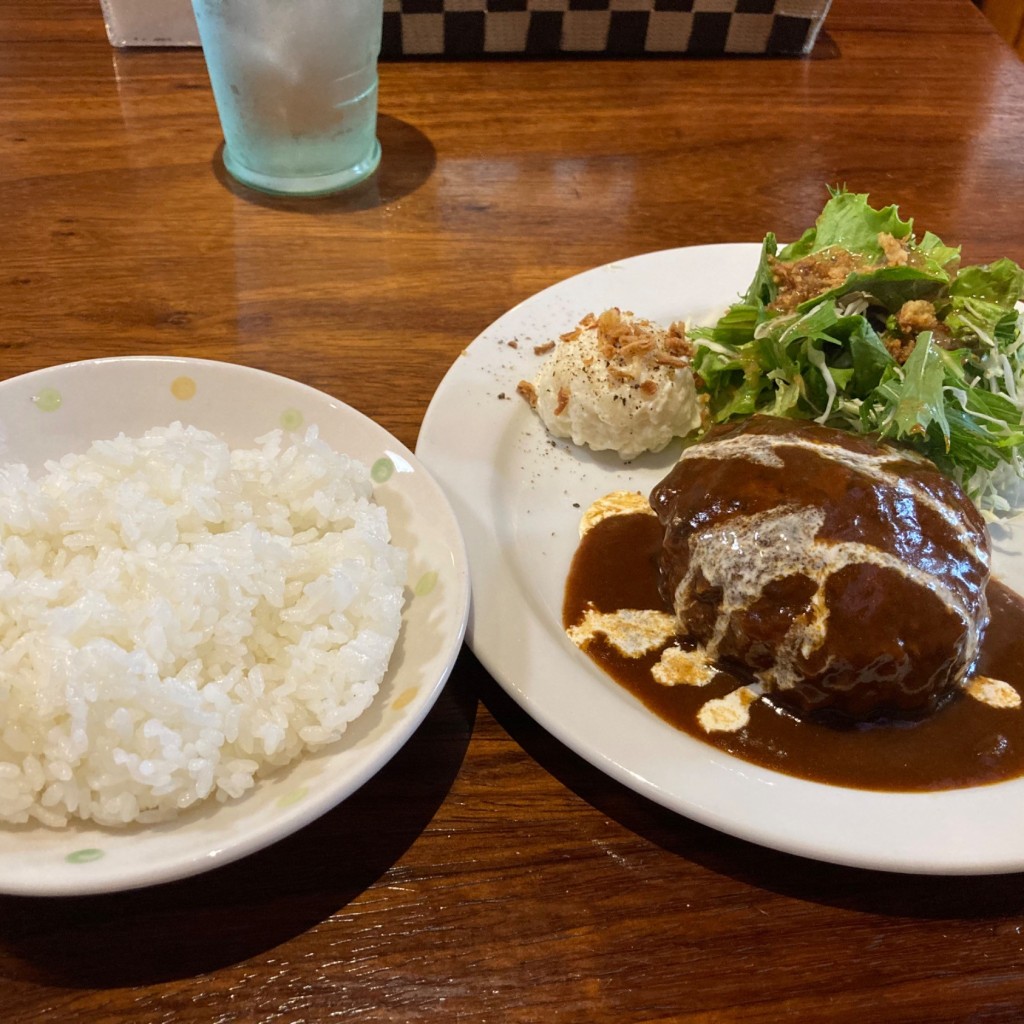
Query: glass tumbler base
[311,185]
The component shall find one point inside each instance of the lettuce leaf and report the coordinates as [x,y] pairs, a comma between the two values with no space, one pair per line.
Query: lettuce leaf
[958,397]
[763,288]
[889,286]
[848,222]
[912,394]
[1001,283]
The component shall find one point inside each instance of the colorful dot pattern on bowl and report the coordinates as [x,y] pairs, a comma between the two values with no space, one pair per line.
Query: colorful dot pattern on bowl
[404,698]
[293,797]
[184,389]
[425,584]
[292,419]
[86,856]
[48,400]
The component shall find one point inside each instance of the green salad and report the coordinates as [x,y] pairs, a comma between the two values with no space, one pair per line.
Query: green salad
[863,325]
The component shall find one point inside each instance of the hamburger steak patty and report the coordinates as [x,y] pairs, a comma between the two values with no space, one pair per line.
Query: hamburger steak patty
[848,576]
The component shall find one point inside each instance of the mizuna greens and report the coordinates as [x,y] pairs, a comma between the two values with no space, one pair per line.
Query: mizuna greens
[861,324]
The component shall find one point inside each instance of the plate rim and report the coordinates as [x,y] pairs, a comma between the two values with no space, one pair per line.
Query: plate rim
[431,450]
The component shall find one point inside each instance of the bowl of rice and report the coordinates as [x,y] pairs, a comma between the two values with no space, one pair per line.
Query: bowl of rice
[226,601]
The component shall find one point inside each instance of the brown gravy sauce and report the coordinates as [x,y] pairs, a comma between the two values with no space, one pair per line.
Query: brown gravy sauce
[964,743]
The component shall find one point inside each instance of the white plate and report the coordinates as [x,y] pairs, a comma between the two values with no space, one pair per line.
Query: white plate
[62,409]
[519,495]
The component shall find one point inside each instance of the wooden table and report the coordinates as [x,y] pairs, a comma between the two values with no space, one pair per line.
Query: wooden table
[487,873]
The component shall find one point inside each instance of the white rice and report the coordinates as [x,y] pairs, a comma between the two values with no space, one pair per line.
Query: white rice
[177,617]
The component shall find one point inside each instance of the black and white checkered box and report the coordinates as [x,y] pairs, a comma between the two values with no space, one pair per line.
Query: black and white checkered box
[464,29]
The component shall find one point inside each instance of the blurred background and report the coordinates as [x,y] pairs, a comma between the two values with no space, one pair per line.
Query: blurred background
[1008,18]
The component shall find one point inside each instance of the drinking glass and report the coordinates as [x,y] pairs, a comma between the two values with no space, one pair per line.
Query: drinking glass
[295,83]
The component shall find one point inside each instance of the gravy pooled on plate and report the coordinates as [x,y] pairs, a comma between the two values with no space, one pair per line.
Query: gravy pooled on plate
[814,602]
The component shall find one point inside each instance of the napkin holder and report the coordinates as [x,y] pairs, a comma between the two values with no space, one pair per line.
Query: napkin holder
[485,29]
[150,22]
[494,29]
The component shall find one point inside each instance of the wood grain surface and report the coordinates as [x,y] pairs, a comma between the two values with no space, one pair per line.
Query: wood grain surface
[487,874]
